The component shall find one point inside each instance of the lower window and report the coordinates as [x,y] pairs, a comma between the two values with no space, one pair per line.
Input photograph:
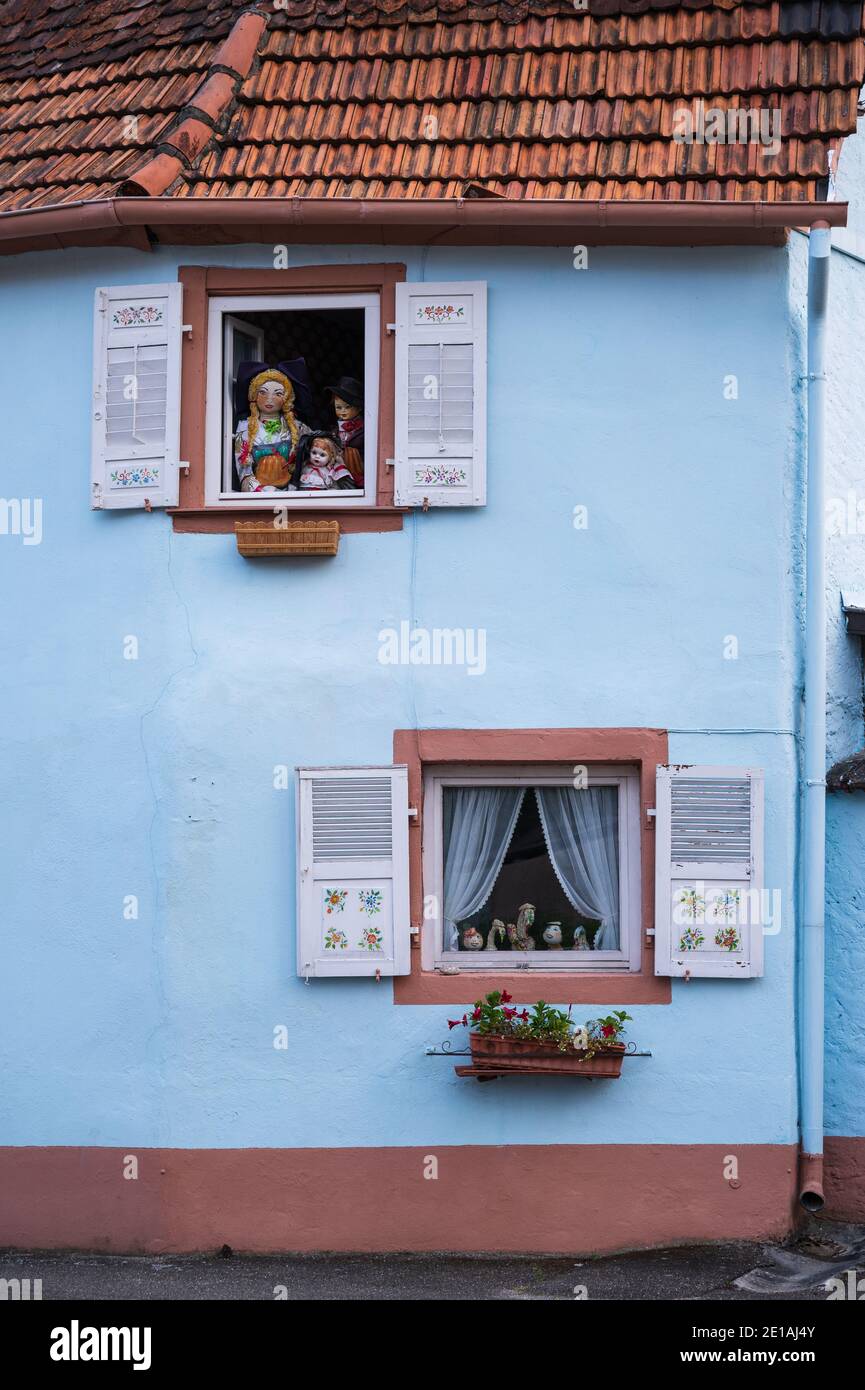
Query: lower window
[533,868]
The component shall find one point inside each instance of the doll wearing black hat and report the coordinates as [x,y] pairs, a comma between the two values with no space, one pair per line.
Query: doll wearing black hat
[347,397]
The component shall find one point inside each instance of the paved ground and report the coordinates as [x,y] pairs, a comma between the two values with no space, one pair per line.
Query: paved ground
[796,1272]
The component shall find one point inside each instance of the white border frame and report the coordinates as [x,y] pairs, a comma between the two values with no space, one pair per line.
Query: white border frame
[235,305]
[626,778]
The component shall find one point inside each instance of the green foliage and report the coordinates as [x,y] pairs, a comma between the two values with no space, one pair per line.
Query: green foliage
[609,1029]
[493,1015]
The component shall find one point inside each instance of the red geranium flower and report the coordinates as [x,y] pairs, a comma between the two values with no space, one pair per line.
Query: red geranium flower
[506,998]
[608,1030]
[476,1013]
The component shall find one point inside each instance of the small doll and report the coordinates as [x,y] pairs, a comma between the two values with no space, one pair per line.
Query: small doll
[266,444]
[320,465]
[347,397]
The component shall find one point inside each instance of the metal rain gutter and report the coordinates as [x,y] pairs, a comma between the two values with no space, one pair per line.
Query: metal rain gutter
[813,919]
[436,214]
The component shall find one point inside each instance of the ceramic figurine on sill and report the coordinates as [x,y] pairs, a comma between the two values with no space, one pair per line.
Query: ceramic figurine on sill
[552,936]
[581,942]
[347,397]
[472,940]
[519,935]
[265,445]
[320,466]
[496,933]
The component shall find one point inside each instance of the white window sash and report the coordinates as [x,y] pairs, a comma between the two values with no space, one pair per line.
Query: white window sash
[218,439]
[627,959]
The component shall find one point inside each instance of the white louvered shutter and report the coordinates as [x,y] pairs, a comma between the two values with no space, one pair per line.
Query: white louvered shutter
[441,394]
[710,904]
[136,396]
[353,896]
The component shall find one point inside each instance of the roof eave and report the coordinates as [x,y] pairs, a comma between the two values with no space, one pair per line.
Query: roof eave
[483,220]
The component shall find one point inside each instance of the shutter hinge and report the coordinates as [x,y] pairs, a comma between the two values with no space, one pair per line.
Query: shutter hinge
[412,812]
[185,466]
[389,463]
[651,812]
[391,327]
[186,328]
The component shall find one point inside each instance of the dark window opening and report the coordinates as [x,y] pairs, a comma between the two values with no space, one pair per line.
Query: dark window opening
[309,436]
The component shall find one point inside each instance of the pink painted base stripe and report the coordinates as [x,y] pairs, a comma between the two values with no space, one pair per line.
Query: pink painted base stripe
[517,1198]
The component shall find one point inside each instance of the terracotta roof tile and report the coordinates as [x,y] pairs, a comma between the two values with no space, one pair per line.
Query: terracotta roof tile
[405,98]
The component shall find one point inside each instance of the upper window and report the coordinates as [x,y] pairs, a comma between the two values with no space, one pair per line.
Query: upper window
[291,399]
[534,868]
[334,387]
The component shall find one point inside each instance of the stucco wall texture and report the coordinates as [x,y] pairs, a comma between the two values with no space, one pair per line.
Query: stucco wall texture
[845,869]
[154,777]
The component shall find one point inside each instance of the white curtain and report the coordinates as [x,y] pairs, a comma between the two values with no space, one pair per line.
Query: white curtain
[478,825]
[581,829]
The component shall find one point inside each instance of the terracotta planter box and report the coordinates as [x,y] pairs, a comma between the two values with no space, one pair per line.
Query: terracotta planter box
[507,1054]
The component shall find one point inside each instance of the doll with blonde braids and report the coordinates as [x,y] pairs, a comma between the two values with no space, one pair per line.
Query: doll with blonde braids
[265,445]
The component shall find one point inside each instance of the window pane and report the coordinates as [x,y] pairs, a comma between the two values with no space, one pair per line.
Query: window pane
[307,436]
[527,896]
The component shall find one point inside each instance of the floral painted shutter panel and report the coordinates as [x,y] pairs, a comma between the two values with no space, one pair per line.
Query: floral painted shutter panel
[710,903]
[136,396]
[352,872]
[441,390]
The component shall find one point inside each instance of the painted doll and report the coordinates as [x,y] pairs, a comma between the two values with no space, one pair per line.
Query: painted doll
[266,444]
[347,397]
[320,465]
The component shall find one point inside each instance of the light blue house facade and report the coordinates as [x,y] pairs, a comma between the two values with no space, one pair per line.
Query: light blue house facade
[630,594]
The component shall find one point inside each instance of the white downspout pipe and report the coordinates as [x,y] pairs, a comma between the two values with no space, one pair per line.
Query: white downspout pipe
[812,955]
